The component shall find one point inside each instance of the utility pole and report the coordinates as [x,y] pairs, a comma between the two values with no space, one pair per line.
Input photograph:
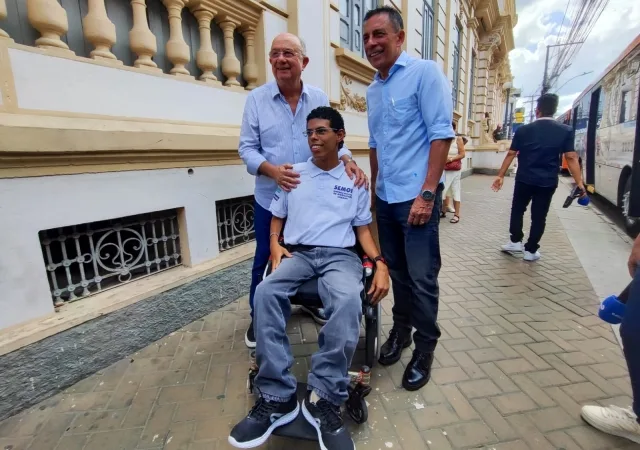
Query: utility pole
[545,77]
[533,96]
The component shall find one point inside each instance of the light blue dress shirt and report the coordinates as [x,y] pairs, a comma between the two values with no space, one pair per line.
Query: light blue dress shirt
[323,209]
[271,132]
[407,111]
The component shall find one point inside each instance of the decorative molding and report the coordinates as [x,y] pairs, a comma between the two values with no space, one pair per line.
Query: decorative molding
[244,13]
[334,6]
[354,66]
[349,99]
[274,9]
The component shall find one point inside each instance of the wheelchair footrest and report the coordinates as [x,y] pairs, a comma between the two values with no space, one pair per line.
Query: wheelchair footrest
[299,428]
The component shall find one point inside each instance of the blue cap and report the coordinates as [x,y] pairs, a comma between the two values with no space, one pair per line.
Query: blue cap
[612,310]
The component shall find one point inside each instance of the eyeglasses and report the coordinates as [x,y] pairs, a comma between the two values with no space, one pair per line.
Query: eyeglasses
[288,54]
[319,131]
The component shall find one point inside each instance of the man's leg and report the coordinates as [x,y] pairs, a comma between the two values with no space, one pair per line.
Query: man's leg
[277,404]
[339,286]
[262,224]
[521,198]
[540,203]
[615,420]
[272,311]
[391,235]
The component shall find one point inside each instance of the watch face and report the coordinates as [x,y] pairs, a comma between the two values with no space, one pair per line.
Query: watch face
[428,195]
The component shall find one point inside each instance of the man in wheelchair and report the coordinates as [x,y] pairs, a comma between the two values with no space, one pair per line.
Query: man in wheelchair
[319,233]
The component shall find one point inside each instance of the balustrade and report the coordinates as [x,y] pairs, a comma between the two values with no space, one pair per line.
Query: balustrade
[3,15]
[231,58]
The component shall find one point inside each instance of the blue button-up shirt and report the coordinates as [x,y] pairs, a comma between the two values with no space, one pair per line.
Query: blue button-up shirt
[271,132]
[323,209]
[407,111]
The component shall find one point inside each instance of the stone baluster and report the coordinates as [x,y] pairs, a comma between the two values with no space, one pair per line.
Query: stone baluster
[3,15]
[142,41]
[99,30]
[206,58]
[177,48]
[250,67]
[50,19]
[230,62]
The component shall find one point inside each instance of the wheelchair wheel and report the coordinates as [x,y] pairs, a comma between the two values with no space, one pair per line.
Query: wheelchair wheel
[356,404]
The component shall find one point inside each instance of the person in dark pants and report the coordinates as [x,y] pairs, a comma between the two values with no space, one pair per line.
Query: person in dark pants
[538,146]
[613,419]
[410,114]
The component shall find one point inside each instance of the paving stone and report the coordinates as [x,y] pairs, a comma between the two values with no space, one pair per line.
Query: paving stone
[470,434]
[446,375]
[513,403]
[479,388]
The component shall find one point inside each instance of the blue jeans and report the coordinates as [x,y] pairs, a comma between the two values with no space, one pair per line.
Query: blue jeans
[413,256]
[339,273]
[630,334]
[262,226]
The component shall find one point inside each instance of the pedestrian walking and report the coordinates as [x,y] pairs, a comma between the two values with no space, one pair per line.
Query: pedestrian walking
[538,146]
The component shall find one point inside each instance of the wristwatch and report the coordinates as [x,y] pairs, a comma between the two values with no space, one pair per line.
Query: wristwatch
[381,259]
[428,195]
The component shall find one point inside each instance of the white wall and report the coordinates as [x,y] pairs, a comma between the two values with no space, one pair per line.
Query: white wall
[29,205]
[274,24]
[313,28]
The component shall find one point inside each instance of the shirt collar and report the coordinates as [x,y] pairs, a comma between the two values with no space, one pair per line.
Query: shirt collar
[545,118]
[314,170]
[402,61]
[275,90]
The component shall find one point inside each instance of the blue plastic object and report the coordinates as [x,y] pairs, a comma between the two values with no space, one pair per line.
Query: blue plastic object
[612,310]
[584,201]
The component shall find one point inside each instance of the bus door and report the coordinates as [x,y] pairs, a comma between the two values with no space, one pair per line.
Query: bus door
[634,198]
[591,138]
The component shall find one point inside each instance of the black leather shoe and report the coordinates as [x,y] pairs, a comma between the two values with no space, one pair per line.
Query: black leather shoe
[391,350]
[418,371]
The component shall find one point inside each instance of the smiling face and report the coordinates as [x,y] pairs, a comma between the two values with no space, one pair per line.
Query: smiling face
[324,140]
[287,59]
[382,42]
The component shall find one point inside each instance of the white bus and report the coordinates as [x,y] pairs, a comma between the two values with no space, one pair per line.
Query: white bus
[607,134]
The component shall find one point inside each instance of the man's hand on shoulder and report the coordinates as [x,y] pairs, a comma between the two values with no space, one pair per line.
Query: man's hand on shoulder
[352,170]
[284,175]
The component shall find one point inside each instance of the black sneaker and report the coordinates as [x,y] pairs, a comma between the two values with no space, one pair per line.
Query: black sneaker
[250,337]
[325,417]
[318,315]
[264,417]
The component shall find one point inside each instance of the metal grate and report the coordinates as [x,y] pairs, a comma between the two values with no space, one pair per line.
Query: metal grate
[86,259]
[235,222]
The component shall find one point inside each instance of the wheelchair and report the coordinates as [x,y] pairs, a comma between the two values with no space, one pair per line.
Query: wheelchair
[359,388]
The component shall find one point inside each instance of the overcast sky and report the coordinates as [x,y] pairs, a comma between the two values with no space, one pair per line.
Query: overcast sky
[539,23]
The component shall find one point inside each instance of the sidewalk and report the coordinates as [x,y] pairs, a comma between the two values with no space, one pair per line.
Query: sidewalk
[522,348]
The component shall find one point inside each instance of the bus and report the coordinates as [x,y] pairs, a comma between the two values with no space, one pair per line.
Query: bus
[607,134]
[564,118]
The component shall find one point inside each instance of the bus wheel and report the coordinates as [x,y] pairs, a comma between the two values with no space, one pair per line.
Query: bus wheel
[632,224]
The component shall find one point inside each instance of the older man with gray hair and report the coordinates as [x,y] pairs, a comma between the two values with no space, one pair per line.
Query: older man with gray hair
[272,140]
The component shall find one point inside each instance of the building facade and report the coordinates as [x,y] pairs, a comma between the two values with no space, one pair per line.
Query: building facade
[119,127]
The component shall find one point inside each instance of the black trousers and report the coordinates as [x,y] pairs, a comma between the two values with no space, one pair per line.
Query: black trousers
[540,199]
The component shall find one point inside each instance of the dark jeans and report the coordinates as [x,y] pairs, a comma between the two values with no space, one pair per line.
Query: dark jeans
[413,256]
[540,198]
[630,334]
[262,225]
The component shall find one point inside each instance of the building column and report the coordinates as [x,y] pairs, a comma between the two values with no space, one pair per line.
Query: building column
[206,58]
[230,62]
[250,66]
[177,48]
[3,15]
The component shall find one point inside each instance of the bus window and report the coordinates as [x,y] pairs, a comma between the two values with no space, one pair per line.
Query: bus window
[625,107]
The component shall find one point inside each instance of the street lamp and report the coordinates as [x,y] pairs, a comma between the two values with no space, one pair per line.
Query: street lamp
[508,85]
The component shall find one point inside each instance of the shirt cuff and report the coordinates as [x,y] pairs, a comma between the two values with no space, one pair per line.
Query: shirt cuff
[278,214]
[363,222]
[441,132]
[372,143]
[344,152]
[254,162]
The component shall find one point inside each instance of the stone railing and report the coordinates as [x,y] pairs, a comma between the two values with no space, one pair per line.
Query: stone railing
[208,24]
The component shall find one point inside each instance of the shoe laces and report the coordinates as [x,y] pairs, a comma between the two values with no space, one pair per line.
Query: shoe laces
[616,412]
[263,408]
[330,417]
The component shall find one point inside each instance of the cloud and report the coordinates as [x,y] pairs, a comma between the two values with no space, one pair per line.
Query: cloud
[540,22]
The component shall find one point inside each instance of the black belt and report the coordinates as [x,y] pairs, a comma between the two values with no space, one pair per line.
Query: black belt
[305,248]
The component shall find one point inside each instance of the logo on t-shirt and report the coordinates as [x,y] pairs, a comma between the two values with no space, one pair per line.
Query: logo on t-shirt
[342,192]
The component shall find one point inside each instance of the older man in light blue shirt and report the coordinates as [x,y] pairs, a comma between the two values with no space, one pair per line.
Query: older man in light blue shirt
[272,139]
[410,124]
